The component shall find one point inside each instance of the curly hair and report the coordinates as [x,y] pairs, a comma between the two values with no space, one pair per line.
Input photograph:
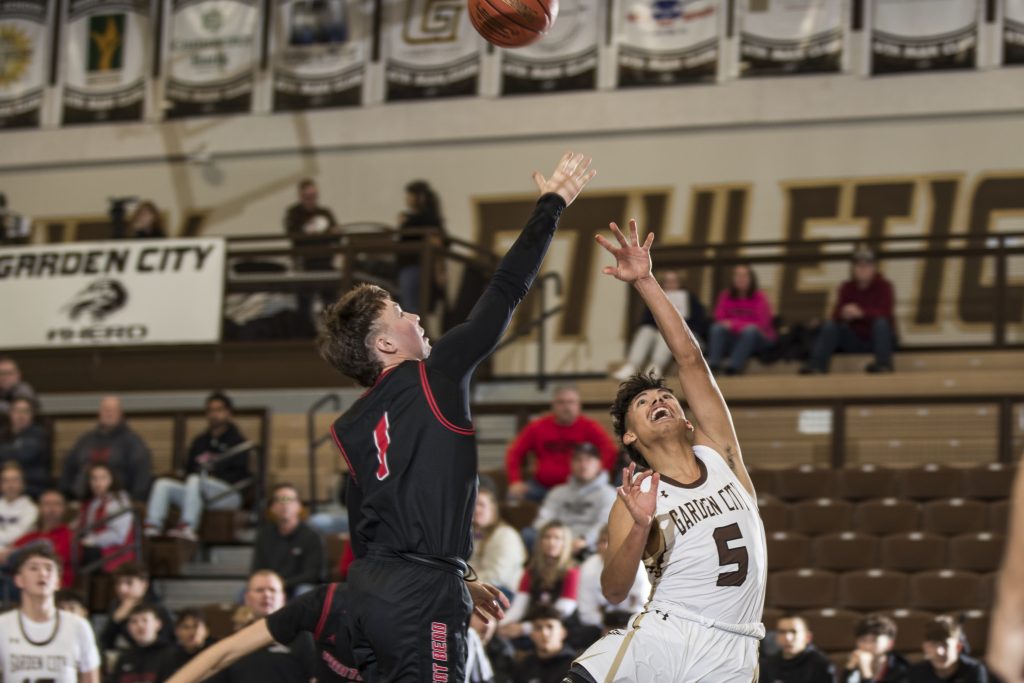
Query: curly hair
[346,329]
[628,390]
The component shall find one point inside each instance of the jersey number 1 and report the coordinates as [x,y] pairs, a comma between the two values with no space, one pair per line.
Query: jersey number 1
[726,555]
[382,439]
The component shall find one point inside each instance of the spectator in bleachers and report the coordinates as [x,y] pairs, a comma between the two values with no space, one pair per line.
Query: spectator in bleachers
[648,350]
[191,634]
[311,225]
[582,503]
[287,663]
[550,578]
[797,660]
[498,551]
[27,444]
[112,442]
[206,474]
[104,533]
[421,221]
[743,323]
[17,511]
[11,385]
[491,659]
[873,658]
[287,546]
[944,659]
[147,659]
[51,529]
[131,589]
[862,319]
[551,440]
[594,608]
[144,223]
[551,658]
[71,601]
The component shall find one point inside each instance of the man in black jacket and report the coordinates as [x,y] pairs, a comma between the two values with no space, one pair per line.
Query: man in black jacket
[551,658]
[149,660]
[797,660]
[28,444]
[873,658]
[944,660]
[208,474]
[287,546]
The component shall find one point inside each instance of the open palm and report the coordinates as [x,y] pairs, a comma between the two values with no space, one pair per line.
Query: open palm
[632,259]
[641,504]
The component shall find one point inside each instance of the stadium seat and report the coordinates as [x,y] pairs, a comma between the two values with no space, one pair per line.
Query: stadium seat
[788,550]
[846,550]
[910,625]
[914,552]
[993,481]
[989,587]
[955,516]
[771,616]
[975,624]
[872,589]
[822,516]
[930,482]
[764,479]
[979,552]
[497,478]
[802,589]
[219,619]
[774,515]
[832,628]
[865,482]
[999,516]
[887,516]
[520,515]
[805,482]
[946,590]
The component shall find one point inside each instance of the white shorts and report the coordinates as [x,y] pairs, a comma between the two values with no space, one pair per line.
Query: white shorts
[656,647]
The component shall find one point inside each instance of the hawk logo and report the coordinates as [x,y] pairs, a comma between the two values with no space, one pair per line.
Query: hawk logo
[98,300]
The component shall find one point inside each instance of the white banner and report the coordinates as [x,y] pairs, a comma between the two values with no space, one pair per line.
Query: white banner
[106,59]
[918,35]
[564,59]
[320,51]
[431,50]
[24,55]
[115,293]
[1013,32]
[667,43]
[212,52]
[790,36]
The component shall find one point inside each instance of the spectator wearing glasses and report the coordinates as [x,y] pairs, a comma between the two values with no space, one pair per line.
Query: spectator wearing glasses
[288,546]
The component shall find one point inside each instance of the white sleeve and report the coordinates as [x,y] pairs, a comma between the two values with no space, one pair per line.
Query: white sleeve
[565,607]
[116,530]
[28,512]
[517,610]
[589,593]
[89,653]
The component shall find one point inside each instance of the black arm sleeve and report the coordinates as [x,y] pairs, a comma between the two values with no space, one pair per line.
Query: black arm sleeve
[300,614]
[463,348]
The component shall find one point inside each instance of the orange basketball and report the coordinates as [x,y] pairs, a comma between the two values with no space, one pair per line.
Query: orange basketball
[512,23]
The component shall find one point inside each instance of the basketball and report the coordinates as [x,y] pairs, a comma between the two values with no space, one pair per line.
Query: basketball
[512,23]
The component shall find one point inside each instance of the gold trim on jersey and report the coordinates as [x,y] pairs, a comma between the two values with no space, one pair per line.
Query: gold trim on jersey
[621,653]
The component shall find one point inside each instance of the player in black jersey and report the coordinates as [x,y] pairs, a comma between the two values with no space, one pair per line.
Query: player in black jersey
[320,612]
[412,457]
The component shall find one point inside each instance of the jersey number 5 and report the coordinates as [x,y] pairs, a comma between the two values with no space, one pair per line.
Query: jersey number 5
[382,439]
[726,555]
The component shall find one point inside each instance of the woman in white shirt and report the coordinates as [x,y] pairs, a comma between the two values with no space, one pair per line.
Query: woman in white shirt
[498,551]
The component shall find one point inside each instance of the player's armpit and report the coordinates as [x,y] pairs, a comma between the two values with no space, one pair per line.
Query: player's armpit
[225,653]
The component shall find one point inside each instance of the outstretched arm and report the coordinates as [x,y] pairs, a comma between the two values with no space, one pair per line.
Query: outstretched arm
[459,351]
[225,653]
[633,265]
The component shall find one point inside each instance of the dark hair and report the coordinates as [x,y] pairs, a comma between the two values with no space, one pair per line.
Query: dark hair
[306,182]
[131,569]
[33,404]
[586,448]
[157,227]
[538,612]
[347,326]
[13,465]
[115,483]
[190,613]
[942,627]
[428,204]
[146,608]
[283,485]
[733,292]
[628,390]
[793,617]
[875,625]
[223,398]
[37,550]
[68,595]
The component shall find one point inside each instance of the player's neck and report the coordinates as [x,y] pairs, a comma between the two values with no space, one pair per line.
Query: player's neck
[673,459]
[41,609]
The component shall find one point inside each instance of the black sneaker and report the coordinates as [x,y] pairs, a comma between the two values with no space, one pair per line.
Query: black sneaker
[877,368]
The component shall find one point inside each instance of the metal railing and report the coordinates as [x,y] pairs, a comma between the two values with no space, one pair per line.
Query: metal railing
[134,547]
[252,483]
[314,442]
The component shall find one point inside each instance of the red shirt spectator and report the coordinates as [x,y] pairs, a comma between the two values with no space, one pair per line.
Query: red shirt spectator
[871,299]
[52,528]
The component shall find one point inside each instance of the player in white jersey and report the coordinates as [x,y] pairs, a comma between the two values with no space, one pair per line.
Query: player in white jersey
[38,642]
[691,518]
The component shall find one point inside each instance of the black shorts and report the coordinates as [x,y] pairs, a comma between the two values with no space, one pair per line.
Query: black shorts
[408,621]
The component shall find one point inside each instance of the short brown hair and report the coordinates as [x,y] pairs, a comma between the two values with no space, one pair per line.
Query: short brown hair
[942,628]
[131,570]
[347,326]
[875,625]
[36,550]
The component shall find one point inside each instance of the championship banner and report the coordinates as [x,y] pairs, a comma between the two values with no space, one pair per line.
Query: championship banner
[24,47]
[431,50]
[667,42]
[779,37]
[212,53]
[918,35]
[1013,32]
[320,51]
[106,60]
[112,293]
[564,59]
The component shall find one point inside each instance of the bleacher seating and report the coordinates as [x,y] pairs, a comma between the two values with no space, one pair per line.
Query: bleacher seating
[845,551]
[914,551]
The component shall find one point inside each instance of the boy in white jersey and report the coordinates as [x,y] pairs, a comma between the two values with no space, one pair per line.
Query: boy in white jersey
[38,642]
[692,519]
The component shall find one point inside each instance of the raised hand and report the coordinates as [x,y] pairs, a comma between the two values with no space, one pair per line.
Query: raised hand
[568,179]
[641,504]
[632,259]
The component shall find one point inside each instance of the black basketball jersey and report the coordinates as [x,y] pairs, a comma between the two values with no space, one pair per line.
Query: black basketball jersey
[409,440]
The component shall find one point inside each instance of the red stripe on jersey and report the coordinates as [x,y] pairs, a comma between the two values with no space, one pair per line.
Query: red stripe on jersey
[437,411]
[341,448]
[325,611]
[382,440]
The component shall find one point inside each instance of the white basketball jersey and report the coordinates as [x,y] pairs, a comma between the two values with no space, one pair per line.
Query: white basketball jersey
[59,656]
[711,558]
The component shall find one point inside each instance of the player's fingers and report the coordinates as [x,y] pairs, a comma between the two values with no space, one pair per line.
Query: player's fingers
[634,233]
[618,234]
[603,241]
[608,270]
[538,179]
[584,164]
[649,241]
[588,177]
